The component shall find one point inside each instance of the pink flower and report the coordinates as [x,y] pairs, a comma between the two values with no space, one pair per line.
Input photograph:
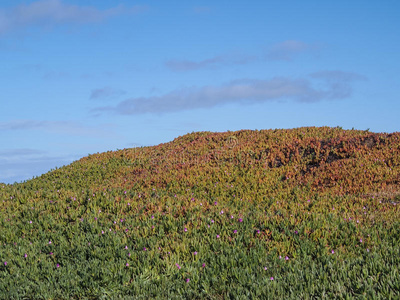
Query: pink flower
[185,229]
[5,263]
[286,258]
[144,249]
[187,279]
[126,247]
[178,266]
[240,220]
[217,236]
[333,252]
[203,265]
[127,265]
[49,242]
[26,255]
[195,252]
[235,231]
[58,265]
[272,278]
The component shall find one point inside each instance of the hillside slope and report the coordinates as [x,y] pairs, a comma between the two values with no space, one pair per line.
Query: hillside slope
[304,194]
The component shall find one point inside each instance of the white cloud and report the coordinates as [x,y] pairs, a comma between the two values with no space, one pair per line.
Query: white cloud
[241,91]
[48,13]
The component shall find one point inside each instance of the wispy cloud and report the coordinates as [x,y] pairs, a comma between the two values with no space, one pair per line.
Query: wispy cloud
[22,164]
[48,13]
[213,62]
[60,127]
[188,65]
[339,83]
[202,10]
[336,85]
[9,153]
[285,51]
[106,92]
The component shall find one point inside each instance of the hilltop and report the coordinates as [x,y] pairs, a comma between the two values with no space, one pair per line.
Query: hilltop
[326,199]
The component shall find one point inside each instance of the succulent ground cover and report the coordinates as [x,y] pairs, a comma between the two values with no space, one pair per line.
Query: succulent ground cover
[271,214]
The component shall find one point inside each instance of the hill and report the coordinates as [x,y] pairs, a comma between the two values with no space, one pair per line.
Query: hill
[299,213]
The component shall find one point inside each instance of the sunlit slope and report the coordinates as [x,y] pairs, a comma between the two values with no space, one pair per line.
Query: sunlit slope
[316,209]
[266,162]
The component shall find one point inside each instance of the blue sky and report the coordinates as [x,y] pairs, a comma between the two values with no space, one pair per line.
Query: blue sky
[81,77]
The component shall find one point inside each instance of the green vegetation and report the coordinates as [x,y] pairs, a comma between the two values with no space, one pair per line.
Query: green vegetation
[271,214]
